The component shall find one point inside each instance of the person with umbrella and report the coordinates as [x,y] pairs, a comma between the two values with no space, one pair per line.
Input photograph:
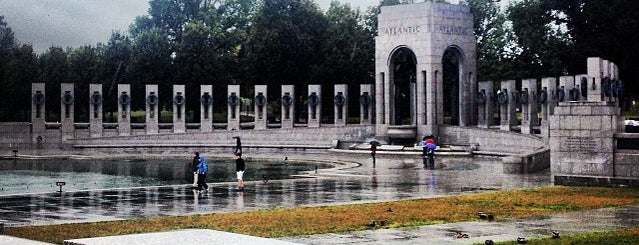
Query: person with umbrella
[374,145]
[238,146]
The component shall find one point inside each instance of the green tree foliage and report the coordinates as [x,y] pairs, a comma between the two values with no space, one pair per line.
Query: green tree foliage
[542,46]
[83,62]
[493,40]
[284,39]
[21,70]
[604,29]
[151,59]
[55,71]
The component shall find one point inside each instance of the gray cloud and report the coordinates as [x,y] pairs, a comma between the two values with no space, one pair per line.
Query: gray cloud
[74,23]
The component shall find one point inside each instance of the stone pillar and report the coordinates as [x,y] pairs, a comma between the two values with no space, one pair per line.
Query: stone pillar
[595,73]
[67,120]
[261,107]
[124,109]
[340,100]
[582,140]
[179,99]
[233,107]
[381,83]
[547,99]
[95,110]
[288,106]
[581,86]
[206,108]
[507,105]
[566,85]
[485,107]
[366,105]
[152,110]
[314,105]
[38,112]
[528,100]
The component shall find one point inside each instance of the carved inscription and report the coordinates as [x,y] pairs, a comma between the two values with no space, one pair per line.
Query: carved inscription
[580,144]
[398,30]
[436,28]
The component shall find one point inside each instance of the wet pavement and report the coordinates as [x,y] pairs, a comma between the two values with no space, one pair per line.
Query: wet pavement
[355,180]
[478,232]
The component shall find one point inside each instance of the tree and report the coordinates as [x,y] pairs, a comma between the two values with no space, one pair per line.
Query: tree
[21,71]
[600,29]
[283,42]
[55,71]
[494,62]
[151,59]
[83,63]
[542,46]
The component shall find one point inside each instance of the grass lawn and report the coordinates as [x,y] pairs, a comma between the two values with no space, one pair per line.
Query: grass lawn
[626,236]
[316,220]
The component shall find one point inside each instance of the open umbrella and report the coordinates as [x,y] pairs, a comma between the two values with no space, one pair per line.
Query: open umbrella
[238,146]
[375,142]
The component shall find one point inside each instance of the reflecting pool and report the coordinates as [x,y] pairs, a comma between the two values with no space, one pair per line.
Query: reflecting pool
[21,176]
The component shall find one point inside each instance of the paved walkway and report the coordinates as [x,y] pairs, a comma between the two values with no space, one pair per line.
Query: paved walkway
[391,178]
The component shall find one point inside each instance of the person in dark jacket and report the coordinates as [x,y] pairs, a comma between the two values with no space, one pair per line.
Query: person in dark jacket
[239,170]
[202,168]
[196,161]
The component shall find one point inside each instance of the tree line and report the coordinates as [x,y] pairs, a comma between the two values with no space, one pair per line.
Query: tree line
[274,42]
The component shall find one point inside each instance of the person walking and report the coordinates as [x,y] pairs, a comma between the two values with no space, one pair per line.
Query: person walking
[202,168]
[373,151]
[239,171]
[196,162]
[429,152]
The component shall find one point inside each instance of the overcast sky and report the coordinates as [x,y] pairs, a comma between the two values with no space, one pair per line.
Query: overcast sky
[74,23]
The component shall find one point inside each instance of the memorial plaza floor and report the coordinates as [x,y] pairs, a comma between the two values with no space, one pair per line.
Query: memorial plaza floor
[354,180]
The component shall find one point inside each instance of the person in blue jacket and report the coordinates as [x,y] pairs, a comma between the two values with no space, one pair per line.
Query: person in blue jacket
[202,168]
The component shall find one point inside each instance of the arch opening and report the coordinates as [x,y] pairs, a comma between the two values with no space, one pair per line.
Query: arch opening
[452,70]
[403,74]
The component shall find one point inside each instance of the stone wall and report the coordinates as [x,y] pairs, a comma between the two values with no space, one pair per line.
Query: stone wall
[582,138]
[489,139]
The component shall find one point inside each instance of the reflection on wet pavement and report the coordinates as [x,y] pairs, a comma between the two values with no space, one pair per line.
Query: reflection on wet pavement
[390,179]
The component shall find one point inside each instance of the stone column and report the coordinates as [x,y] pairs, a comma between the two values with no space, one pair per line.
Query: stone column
[124,109]
[581,86]
[507,105]
[67,120]
[152,110]
[233,107]
[366,104]
[547,99]
[261,107]
[595,73]
[206,108]
[381,126]
[95,110]
[38,112]
[567,85]
[528,105]
[179,99]
[340,100]
[288,106]
[485,109]
[314,105]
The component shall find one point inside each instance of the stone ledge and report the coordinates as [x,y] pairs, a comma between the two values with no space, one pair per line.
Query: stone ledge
[316,146]
[598,181]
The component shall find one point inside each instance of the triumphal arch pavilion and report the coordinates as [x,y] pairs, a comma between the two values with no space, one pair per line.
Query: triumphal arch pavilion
[425,69]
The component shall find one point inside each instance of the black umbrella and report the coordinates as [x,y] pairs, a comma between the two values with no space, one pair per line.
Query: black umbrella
[238,146]
[375,142]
